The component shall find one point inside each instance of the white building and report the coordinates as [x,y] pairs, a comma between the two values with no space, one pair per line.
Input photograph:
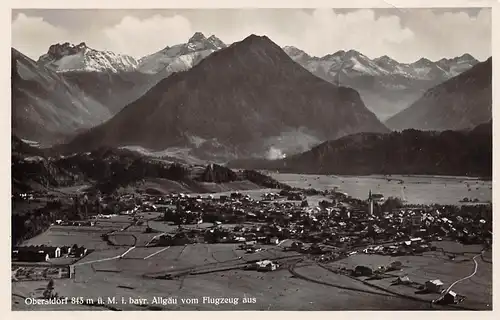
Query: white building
[434,286]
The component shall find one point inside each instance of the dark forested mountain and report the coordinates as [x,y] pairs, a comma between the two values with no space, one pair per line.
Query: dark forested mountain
[238,96]
[467,152]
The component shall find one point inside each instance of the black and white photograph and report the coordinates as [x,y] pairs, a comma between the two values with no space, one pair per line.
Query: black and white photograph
[257,159]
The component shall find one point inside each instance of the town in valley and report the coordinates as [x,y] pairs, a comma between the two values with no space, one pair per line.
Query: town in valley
[299,167]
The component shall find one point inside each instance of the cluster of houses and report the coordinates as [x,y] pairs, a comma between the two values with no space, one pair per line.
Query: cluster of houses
[407,247]
[86,223]
[264,265]
[340,221]
[42,253]
[337,221]
[435,286]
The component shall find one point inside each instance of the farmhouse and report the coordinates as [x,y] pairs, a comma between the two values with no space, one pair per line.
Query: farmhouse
[274,240]
[434,286]
[363,271]
[395,265]
[402,280]
[266,265]
[78,251]
[36,253]
[450,298]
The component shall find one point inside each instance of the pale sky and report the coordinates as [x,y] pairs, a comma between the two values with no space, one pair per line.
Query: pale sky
[403,34]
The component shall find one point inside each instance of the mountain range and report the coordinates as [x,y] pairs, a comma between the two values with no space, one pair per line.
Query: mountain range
[246,99]
[116,80]
[261,95]
[68,57]
[385,85]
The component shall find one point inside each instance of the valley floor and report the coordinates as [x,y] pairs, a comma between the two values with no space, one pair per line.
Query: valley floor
[129,271]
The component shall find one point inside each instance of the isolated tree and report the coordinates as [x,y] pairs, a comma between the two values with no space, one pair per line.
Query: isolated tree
[50,285]
[47,293]
[392,203]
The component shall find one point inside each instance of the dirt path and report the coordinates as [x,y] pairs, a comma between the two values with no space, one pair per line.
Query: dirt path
[154,237]
[462,279]
[155,253]
[292,270]
[105,259]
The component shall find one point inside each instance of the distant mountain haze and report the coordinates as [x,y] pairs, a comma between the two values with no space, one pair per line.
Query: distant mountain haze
[45,107]
[461,102]
[385,85]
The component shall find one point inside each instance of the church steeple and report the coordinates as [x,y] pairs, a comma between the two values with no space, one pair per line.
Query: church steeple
[370,200]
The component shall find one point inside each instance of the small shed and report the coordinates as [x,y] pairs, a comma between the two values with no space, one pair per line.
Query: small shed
[274,240]
[450,298]
[434,286]
[395,265]
[403,280]
[363,271]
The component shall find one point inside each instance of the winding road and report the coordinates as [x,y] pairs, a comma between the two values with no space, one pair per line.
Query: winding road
[462,279]
[467,277]
[105,259]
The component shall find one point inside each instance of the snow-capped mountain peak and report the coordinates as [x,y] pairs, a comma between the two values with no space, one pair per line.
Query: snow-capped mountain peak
[182,56]
[353,64]
[67,57]
[465,58]
[353,53]
[197,37]
[356,62]
[216,42]
[385,59]
[199,42]
[335,56]
[457,65]
[295,53]
[423,62]
[58,50]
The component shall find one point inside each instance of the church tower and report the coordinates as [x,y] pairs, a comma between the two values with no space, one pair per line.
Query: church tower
[370,200]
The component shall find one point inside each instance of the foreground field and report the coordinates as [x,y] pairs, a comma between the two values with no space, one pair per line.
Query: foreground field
[202,272]
[280,290]
[430,266]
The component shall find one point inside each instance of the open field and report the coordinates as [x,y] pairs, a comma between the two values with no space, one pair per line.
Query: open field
[230,186]
[434,265]
[165,186]
[277,290]
[414,189]
[67,236]
[254,193]
[216,272]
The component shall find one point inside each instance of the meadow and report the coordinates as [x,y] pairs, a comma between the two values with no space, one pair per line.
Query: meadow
[413,189]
